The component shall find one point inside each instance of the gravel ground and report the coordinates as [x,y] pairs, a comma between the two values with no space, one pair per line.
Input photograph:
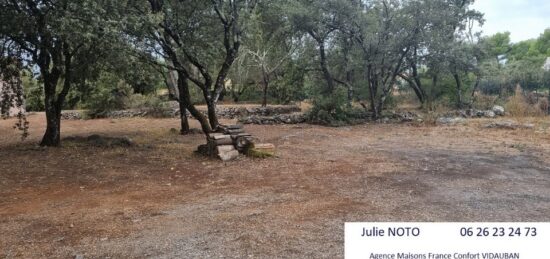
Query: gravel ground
[160,200]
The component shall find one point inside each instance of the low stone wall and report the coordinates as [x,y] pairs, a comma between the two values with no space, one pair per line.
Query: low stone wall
[276,112]
[296,118]
[239,112]
[473,113]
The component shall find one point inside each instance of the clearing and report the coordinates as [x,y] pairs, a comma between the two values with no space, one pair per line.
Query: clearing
[158,199]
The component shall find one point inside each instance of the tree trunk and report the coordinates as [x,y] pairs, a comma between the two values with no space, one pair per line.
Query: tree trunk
[324,67]
[476,86]
[264,101]
[183,117]
[265,82]
[185,98]
[434,86]
[177,94]
[52,136]
[172,84]
[458,90]
[236,98]
[350,88]
[349,73]
[212,116]
[350,96]
[418,91]
[373,91]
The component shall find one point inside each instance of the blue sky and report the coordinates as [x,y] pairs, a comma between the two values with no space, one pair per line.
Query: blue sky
[524,19]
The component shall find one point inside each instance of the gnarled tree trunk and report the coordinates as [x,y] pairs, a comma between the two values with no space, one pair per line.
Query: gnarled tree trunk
[52,136]
[185,99]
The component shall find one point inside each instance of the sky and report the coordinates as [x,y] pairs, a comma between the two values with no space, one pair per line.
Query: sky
[524,19]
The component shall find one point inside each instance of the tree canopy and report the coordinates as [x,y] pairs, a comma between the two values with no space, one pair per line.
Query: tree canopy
[332,52]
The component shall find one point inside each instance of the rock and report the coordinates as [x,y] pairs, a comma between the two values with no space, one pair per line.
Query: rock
[528,126]
[508,125]
[489,114]
[394,117]
[71,115]
[225,148]
[501,125]
[79,256]
[479,113]
[275,119]
[228,156]
[451,121]
[499,110]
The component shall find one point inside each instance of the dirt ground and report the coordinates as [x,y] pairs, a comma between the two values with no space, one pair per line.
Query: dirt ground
[160,200]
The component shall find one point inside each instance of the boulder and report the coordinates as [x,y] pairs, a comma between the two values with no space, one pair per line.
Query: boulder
[228,155]
[489,114]
[499,110]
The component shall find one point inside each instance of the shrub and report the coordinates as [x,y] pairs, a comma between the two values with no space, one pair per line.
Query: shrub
[518,105]
[108,94]
[333,111]
[544,105]
[139,101]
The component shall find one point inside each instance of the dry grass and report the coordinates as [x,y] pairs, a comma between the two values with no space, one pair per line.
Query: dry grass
[519,106]
[485,102]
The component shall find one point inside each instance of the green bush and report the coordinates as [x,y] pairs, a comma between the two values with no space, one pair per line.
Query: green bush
[108,94]
[333,110]
[34,95]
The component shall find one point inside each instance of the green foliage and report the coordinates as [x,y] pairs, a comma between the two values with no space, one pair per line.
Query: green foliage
[542,45]
[333,111]
[498,44]
[34,94]
[109,93]
[290,86]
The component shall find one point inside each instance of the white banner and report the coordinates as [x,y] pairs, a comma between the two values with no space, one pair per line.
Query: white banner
[447,240]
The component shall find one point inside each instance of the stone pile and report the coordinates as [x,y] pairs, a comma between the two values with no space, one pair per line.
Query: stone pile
[474,113]
[71,115]
[458,117]
[296,118]
[228,144]
[400,117]
[509,125]
[232,141]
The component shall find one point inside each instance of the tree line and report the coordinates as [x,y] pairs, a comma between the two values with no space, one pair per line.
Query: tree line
[333,52]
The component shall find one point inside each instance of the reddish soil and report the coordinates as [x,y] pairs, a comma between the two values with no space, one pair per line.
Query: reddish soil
[160,200]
